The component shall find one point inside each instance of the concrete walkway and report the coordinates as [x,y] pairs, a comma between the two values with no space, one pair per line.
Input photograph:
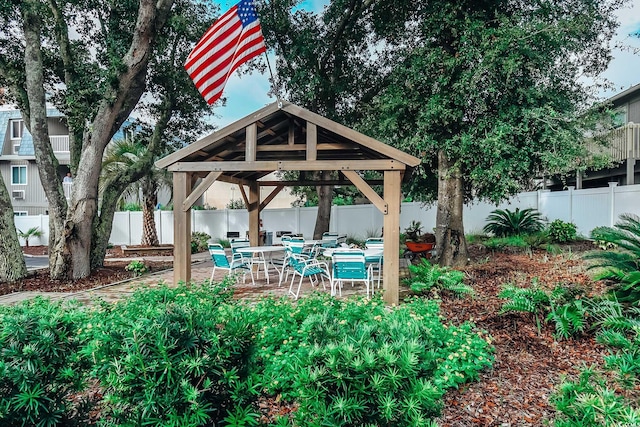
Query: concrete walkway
[200,271]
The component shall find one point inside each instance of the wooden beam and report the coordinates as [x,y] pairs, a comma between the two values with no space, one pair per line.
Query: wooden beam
[291,134]
[299,165]
[218,136]
[352,135]
[244,195]
[233,180]
[251,142]
[270,197]
[324,146]
[181,229]
[254,214]
[199,190]
[312,141]
[314,183]
[367,191]
[391,223]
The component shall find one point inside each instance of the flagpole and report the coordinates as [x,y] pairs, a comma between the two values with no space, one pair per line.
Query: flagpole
[273,79]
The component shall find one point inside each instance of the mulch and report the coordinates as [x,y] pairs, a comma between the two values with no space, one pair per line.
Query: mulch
[529,364]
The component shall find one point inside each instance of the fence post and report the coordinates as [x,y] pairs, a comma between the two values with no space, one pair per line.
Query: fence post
[297,219]
[571,188]
[129,226]
[612,203]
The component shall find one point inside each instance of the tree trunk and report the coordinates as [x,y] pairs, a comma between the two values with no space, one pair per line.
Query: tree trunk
[150,200]
[12,265]
[450,240]
[325,197]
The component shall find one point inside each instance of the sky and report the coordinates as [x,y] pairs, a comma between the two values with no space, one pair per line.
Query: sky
[248,93]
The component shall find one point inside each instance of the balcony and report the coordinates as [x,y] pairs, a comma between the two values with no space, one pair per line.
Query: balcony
[59,143]
[67,187]
[624,143]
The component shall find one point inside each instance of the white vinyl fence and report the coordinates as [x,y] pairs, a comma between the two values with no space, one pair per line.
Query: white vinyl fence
[586,208]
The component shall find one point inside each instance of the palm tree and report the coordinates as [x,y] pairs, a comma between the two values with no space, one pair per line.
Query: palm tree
[121,155]
[32,232]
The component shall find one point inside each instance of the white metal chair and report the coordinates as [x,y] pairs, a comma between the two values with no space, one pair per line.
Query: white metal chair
[221,262]
[377,260]
[312,268]
[350,266]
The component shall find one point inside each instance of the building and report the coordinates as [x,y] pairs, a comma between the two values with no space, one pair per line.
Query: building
[223,194]
[624,148]
[18,162]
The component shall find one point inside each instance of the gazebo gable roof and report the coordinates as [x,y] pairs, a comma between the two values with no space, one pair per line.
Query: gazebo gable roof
[281,142]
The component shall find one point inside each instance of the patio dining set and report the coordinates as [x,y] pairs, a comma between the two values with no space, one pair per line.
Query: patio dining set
[327,260]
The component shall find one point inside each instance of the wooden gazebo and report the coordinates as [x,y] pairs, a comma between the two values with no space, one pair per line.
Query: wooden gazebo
[281,137]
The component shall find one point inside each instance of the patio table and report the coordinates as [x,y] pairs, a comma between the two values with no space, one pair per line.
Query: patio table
[262,250]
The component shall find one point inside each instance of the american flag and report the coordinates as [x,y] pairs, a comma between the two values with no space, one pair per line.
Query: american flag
[232,40]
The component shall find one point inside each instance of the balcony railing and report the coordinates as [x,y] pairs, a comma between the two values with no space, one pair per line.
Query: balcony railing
[59,143]
[67,187]
[624,143]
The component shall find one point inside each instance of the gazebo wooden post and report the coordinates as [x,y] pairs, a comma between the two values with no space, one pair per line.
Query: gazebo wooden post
[254,214]
[391,271]
[181,228]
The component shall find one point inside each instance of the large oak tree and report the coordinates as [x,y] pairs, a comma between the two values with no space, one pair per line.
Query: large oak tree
[489,94]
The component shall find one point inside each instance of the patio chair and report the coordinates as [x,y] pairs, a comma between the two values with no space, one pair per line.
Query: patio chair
[377,260]
[221,262]
[312,268]
[350,266]
[293,246]
[329,240]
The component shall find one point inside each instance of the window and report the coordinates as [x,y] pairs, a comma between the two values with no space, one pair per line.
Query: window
[20,213]
[620,117]
[16,129]
[19,175]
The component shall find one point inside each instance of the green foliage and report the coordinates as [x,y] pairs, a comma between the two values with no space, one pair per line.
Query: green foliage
[562,232]
[40,363]
[199,242]
[132,207]
[32,232]
[621,266]
[225,243]
[342,200]
[137,267]
[425,277]
[606,396]
[414,230]
[563,306]
[172,356]
[506,243]
[236,204]
[354,362]
[502,223]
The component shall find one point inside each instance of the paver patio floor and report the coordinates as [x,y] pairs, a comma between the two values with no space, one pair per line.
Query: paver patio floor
[200,271]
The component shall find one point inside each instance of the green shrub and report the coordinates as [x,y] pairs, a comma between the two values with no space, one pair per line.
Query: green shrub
[199,242]
[562,232]
[607,396]
[133,207]
[622,266]
[505,243]
[172,356]
[137,267]
[355,362]
[225,243]
[425,277]
[40,363]
[503,223]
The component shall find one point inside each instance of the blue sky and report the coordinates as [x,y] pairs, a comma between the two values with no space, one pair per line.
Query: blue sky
[248,93]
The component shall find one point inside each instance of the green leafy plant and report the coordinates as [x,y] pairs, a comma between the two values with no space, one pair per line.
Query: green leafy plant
[414,230]
[425,277]
[620,267]
[199,242]
[355,363]
[131,206]
[41,363]
[172,356]
[225,243]
[30,233]
[137,267]
[236,204]
[562,232]
[503,223]
[499,244]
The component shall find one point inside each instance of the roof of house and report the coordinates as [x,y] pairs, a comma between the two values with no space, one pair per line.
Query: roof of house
[26,143]
[626,95]
[282,144]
